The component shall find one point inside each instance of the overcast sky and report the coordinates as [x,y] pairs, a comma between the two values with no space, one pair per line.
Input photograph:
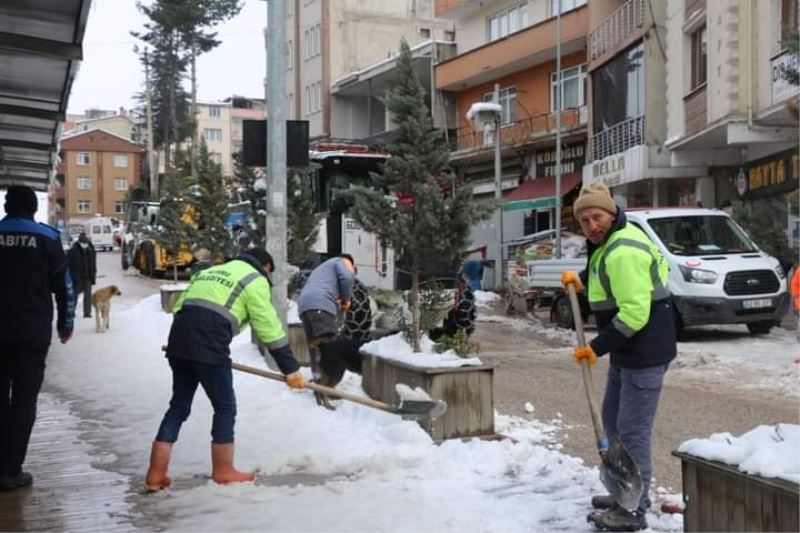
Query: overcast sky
[110,73]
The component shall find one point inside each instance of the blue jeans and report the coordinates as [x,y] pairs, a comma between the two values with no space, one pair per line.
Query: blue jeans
[217,381]
[629,409]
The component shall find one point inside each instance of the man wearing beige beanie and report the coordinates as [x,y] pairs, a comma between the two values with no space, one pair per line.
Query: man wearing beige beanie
[626,285]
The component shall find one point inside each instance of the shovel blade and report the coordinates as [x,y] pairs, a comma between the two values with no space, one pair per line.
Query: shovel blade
[420,409]
[621,477]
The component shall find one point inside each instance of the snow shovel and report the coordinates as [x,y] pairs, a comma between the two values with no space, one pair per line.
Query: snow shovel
[618,471]
[412,405]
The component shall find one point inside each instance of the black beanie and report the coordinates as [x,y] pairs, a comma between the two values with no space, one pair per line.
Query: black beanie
[21,201]
[262,256]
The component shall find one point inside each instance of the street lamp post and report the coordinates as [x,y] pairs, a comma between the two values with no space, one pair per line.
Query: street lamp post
[498,190]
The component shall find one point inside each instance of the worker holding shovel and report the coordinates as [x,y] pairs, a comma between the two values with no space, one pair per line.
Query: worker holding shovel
[625,280]
[219,301]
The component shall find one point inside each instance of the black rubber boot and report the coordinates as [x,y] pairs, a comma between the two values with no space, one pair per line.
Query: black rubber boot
[23,479]
[603,501]
[617,519]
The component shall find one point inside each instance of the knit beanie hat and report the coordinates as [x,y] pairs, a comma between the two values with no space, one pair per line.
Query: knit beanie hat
[595,195]
[21,201]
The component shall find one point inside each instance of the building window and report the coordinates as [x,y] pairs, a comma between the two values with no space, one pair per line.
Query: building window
[449,35]
[84,183]
[699,57]
[119,208]
[84,206]
[313,98]
[507,21]
[566,5]
[573,88]
[425,33]
[619,84]
[121,161]
[120,184]
[508,100]
[216,157]
[212,134]
[236,128]
[289,53]
[789,19]
[237,148]
[313,40]
[213,111]
[536,221]
[289,7]
[290,104]
[82,158]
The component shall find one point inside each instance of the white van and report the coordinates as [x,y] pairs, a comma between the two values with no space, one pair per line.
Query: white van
[100,232]
[717,274]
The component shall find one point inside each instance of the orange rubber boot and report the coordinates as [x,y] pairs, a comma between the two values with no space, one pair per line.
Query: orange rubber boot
[157,477]
[222,466]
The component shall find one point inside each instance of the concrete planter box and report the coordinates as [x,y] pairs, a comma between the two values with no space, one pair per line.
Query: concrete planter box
[170,295]
[468,391]
[719,497]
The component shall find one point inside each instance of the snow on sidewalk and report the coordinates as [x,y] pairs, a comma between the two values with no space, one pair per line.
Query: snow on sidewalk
[373,471]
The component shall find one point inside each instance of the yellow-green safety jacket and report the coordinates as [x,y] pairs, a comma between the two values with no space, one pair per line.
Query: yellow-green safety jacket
[218,303]
[627,292]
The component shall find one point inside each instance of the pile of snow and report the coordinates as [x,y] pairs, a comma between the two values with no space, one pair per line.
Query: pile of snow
[767,451]
[354,469]
[396,348]
[485,298]
[174,287]
[292,316]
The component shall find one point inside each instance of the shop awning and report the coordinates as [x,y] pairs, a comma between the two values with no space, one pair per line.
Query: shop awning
[540,193]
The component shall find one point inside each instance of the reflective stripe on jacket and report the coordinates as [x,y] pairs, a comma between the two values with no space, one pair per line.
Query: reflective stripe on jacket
[237,291]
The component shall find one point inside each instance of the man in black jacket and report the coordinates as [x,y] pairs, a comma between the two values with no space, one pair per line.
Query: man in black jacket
[83,269]
[32,266]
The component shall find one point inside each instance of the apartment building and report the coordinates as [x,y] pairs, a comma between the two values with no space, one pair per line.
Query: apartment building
[95,171]
[627,49]
[328,40]
[214,126]
[729,101]
[243,109]
[512,44]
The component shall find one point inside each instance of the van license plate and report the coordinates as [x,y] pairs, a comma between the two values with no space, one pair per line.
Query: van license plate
[756,304]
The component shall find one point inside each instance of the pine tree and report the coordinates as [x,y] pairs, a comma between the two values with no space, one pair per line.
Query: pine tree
[425,210]
[174,231]
[210,204]
[302,220]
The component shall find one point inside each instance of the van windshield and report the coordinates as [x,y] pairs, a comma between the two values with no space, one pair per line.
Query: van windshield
[702,235]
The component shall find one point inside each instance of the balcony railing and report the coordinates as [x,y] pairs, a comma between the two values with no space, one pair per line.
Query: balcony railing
[618,138]
[518,132]
[615,29]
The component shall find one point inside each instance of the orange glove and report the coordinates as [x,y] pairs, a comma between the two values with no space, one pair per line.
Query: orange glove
[570,276]
[345,305]
[295,380]
[584,352]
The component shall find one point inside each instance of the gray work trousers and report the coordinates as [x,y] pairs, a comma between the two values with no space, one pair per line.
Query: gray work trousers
[629,409]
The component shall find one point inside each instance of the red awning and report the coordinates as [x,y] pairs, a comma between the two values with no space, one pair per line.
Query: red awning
[544,187]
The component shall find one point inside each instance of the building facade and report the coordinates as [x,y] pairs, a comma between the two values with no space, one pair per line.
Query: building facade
[95,171]
[511,46]
[329,40]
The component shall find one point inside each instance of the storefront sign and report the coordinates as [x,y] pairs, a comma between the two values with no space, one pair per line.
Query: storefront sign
[573,156]
[776,174]
[781,66]
[527,205]
[618,169]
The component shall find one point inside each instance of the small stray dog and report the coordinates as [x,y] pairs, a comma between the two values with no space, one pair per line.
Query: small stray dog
[101,300]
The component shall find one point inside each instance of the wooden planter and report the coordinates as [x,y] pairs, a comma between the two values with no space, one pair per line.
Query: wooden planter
[169,296]
[719,497]
[297,341]
[467,390]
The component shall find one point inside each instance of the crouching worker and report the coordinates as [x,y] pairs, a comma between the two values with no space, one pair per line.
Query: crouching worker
[219,301]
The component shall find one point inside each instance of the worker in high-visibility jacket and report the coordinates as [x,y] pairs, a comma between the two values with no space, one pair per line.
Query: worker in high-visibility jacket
[219,301]
[626,284]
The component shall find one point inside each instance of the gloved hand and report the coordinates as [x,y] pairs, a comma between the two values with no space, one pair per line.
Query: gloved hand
[570,276]
[295,380]
[584,352]
[345,305]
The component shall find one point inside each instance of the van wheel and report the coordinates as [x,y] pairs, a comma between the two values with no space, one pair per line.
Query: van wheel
[124,258]
[561,313]
[762,327]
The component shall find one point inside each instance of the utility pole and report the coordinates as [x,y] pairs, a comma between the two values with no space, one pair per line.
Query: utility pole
[560,93]
[151,163]
[276,151]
